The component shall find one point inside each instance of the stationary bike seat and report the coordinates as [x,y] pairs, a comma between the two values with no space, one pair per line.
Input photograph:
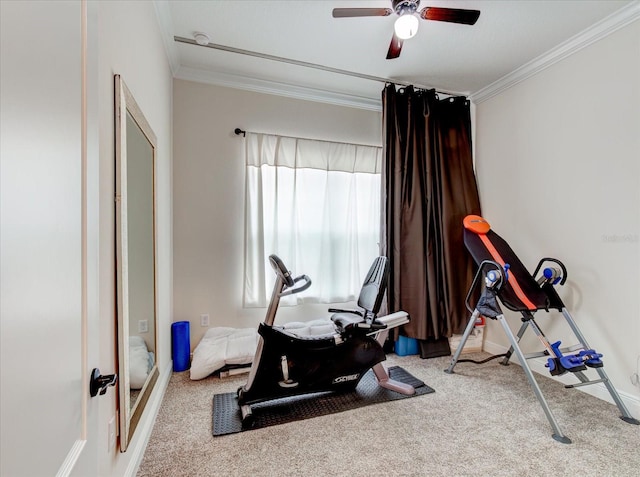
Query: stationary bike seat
[346,321]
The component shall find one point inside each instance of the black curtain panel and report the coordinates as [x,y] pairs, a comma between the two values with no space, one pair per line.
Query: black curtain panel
[428,187]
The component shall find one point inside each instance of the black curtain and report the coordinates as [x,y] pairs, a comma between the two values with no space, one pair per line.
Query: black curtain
[428,187]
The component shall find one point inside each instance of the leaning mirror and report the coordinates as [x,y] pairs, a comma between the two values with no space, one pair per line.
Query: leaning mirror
[135,259]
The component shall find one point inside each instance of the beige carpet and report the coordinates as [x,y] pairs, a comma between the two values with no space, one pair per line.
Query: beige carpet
[482,421]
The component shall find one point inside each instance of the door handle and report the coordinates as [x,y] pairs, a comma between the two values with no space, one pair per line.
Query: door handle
[99,384]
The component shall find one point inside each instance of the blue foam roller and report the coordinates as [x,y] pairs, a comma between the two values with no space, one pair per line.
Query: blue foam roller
[180,345]
[406,346]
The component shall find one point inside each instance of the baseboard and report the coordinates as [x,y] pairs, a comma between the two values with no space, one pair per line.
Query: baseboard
[72,457]
[144,431]
[597,390]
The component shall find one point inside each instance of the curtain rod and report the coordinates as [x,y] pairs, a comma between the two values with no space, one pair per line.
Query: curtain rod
[306,64]
[242,132]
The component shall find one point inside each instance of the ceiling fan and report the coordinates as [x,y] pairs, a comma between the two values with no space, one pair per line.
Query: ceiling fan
[406,25]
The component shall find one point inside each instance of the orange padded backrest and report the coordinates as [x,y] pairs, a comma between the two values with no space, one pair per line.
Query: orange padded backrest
[476,224]
[479,226]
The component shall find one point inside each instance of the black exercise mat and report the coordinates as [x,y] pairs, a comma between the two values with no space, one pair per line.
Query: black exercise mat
[227,416]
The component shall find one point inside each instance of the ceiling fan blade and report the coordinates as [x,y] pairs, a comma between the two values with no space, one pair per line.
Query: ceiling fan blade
[452,15]
[361,12]
[394,47]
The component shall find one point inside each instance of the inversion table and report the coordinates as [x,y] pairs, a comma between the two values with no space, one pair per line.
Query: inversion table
[506,279]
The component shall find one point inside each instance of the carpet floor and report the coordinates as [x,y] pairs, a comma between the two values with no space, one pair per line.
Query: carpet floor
[484,420]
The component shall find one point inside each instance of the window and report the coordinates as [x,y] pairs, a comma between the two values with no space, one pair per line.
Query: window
[315,204]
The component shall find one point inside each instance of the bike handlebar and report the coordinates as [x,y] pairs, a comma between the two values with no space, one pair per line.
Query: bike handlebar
[285,275]
[281,270]
[298,289]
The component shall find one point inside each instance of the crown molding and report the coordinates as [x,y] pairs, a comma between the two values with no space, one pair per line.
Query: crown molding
[280,89]
[163,15]
[602,29]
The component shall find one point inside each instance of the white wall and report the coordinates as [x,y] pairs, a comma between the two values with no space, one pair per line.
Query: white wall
[43,285]
[41,232]
[209,191]
[130,44]
[48,338]
[558,166]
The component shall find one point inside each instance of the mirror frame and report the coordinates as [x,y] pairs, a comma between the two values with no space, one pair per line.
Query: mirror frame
[125,105]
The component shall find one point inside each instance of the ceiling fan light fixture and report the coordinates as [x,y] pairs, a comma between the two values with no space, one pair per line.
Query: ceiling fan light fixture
[406,26]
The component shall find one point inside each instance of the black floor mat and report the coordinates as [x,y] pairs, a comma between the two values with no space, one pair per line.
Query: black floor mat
[227,417]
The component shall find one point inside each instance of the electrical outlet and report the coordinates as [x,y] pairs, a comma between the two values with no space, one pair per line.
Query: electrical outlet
[112,433]
[143,326]
[204,320]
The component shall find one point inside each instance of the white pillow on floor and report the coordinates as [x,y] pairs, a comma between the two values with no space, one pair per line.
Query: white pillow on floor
[220,346]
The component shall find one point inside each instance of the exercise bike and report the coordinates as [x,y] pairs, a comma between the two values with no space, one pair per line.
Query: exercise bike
[287,364]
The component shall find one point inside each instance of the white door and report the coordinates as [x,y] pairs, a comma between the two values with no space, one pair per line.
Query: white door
[48,276]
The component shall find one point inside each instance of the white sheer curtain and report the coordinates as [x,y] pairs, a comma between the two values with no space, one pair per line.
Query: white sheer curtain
[315,204]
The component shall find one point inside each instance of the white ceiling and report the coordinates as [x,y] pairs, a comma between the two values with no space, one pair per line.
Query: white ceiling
[509,36]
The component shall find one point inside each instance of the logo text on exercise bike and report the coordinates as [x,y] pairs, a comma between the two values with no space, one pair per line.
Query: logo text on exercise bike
[344,379]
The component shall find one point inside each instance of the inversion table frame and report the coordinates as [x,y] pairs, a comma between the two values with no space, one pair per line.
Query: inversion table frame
[506,279]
